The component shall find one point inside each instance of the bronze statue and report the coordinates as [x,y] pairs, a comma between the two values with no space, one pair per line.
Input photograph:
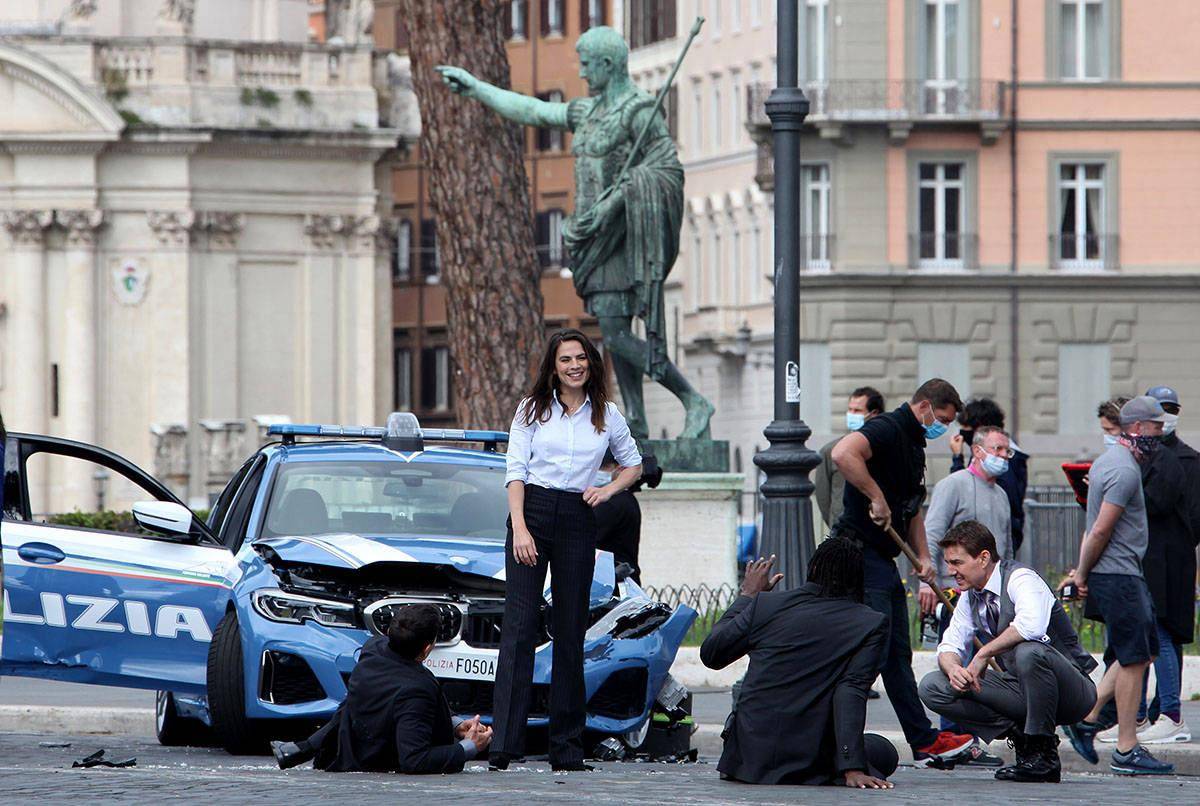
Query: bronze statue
[624,234]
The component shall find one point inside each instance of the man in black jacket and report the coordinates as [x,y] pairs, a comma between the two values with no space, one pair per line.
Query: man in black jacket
[394,717]
[813,654]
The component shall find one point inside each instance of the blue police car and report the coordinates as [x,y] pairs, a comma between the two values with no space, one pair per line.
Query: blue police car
[249,624]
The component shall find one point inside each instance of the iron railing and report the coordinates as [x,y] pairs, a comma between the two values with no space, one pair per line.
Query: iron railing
[1084,251]
[882,101]
[943,250]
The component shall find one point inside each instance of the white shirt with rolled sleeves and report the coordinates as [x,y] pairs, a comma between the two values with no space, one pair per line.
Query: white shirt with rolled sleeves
[564,452]
[1031,599]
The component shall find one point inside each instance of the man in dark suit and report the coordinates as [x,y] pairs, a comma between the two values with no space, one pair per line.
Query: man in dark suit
[394,717]
[813,654]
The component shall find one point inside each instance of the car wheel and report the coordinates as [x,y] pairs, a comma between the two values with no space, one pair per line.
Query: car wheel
[174,730]
[231,727]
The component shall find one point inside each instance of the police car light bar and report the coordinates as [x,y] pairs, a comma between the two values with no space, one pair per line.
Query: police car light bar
[404,427]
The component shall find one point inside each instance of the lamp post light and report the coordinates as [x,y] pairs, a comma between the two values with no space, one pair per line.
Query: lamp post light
[787,511]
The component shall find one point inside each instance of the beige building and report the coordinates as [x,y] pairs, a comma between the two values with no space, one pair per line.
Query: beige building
[191,196]
[1050,265]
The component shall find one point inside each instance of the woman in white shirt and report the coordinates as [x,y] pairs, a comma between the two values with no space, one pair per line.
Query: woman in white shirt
[557,440]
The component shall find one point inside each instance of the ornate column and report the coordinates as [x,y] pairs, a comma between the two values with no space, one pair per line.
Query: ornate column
[28,379]
[77,374]
[385,242]
[361,311]
[168,321]
[326,378]
[218,325]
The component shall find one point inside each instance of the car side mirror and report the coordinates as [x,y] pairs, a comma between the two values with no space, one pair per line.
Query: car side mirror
[165,518]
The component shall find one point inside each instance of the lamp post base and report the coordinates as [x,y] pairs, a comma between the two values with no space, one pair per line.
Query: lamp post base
[787,530]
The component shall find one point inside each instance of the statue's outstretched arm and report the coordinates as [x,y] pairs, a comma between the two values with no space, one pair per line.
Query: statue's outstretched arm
[507,104]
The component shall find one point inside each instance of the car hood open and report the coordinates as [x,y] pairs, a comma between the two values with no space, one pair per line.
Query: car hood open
[477,556]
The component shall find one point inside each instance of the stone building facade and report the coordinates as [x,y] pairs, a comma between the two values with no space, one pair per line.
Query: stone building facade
[194,202]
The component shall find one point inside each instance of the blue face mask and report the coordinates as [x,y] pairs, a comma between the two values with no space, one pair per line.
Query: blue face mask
[854,421]
[995,466]
[1110,440]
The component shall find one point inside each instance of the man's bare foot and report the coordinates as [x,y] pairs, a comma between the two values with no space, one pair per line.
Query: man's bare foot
[696,425]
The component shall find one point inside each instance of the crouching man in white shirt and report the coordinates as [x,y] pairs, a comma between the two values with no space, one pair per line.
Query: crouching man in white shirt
[1044,679]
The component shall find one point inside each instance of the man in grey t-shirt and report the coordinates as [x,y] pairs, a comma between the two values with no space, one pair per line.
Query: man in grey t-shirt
[1110,575]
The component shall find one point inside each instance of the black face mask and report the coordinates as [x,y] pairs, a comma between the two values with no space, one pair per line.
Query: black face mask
[968,435]
[1145,445]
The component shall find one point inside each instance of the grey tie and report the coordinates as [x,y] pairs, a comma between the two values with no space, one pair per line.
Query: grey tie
[991,614]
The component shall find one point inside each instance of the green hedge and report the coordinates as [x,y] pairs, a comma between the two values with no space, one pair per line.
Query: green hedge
[107,520]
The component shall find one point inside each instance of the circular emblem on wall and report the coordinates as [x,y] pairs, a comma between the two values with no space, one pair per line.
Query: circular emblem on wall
[130,280]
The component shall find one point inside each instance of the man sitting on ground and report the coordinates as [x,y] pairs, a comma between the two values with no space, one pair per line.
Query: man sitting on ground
[813,654]
[1044,680]
[394,717]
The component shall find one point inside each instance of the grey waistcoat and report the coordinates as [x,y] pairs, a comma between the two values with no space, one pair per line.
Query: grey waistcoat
[1060,632]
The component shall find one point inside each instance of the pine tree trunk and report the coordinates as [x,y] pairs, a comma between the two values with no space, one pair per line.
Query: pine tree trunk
[480,197]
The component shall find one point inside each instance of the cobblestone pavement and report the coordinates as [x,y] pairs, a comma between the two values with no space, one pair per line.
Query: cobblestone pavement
[30,773]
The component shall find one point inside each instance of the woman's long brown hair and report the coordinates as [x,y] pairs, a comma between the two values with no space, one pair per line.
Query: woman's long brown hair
[536,407]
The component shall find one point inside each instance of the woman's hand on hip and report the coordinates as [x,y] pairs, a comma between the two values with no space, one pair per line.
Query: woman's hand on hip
[595,496]
[524,549]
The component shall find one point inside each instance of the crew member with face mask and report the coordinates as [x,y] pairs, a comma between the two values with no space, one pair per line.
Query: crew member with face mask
[1110,574]
[884,466]
[865,403]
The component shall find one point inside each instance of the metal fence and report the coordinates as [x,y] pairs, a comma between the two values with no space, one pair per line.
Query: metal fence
[708,602]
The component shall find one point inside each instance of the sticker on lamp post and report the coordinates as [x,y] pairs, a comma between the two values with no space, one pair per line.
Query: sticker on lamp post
[792,391]
[129,282]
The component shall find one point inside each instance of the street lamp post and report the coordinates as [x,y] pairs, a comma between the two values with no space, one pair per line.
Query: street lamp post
[787,512]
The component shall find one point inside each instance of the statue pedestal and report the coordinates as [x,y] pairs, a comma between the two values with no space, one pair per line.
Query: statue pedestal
[689,530]
[688,455]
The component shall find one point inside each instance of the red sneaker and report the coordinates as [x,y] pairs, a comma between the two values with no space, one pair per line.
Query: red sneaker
[948,745]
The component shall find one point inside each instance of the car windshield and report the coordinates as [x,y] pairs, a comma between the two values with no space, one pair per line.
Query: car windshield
[387,498]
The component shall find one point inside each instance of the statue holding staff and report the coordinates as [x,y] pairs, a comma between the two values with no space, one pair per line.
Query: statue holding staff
[624,234]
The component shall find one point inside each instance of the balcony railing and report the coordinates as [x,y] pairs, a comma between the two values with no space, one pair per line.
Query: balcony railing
[1084,251]
[943,250]
[816,252]
[884,101]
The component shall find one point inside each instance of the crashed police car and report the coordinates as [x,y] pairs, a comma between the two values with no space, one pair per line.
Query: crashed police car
[249,624]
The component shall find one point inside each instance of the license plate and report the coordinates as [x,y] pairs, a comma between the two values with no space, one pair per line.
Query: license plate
[463,664]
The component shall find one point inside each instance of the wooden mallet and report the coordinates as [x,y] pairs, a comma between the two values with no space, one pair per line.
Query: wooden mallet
[941,594]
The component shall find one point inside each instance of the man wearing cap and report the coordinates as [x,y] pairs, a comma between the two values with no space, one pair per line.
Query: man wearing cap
[1170,482]
[1110,574]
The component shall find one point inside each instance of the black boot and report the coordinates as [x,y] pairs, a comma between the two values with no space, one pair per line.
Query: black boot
[290,754]
[1040,764]
[1019,742]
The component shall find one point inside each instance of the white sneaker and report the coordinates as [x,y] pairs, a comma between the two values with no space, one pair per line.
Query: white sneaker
[1165,731]
[1110,735]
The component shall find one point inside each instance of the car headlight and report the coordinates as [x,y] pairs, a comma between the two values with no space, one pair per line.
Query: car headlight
[292,608]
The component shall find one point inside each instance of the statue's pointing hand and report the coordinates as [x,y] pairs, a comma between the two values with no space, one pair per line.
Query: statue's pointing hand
[460,81]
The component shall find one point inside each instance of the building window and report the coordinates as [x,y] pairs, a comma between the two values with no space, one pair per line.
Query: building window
[591,14]
[430,259]
[697,266]
[940,201]
[815,232]
[516,22]
[1083,39]
[672,112]
[735,80]
[735,263]
[552,17]
[1081,241]
[714,16]
[402,256]
[435,378]
[816,372]
[650,21]
[715,265]
[697,118]
[944,57]
[402,367]
[549,238]
[945,360]
[735,16]
[755,261]
[815,21]
[716,112]
[550,138]
[755,13]
[1084,374]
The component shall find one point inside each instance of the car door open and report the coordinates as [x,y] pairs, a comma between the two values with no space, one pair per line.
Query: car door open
[116,605]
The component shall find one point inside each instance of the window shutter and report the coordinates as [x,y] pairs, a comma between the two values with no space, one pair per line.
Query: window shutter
[506,15]
[585,17]
[541,237]
[544,13]
[428,247]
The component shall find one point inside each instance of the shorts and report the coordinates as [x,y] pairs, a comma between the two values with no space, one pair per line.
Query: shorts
[1125,605]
